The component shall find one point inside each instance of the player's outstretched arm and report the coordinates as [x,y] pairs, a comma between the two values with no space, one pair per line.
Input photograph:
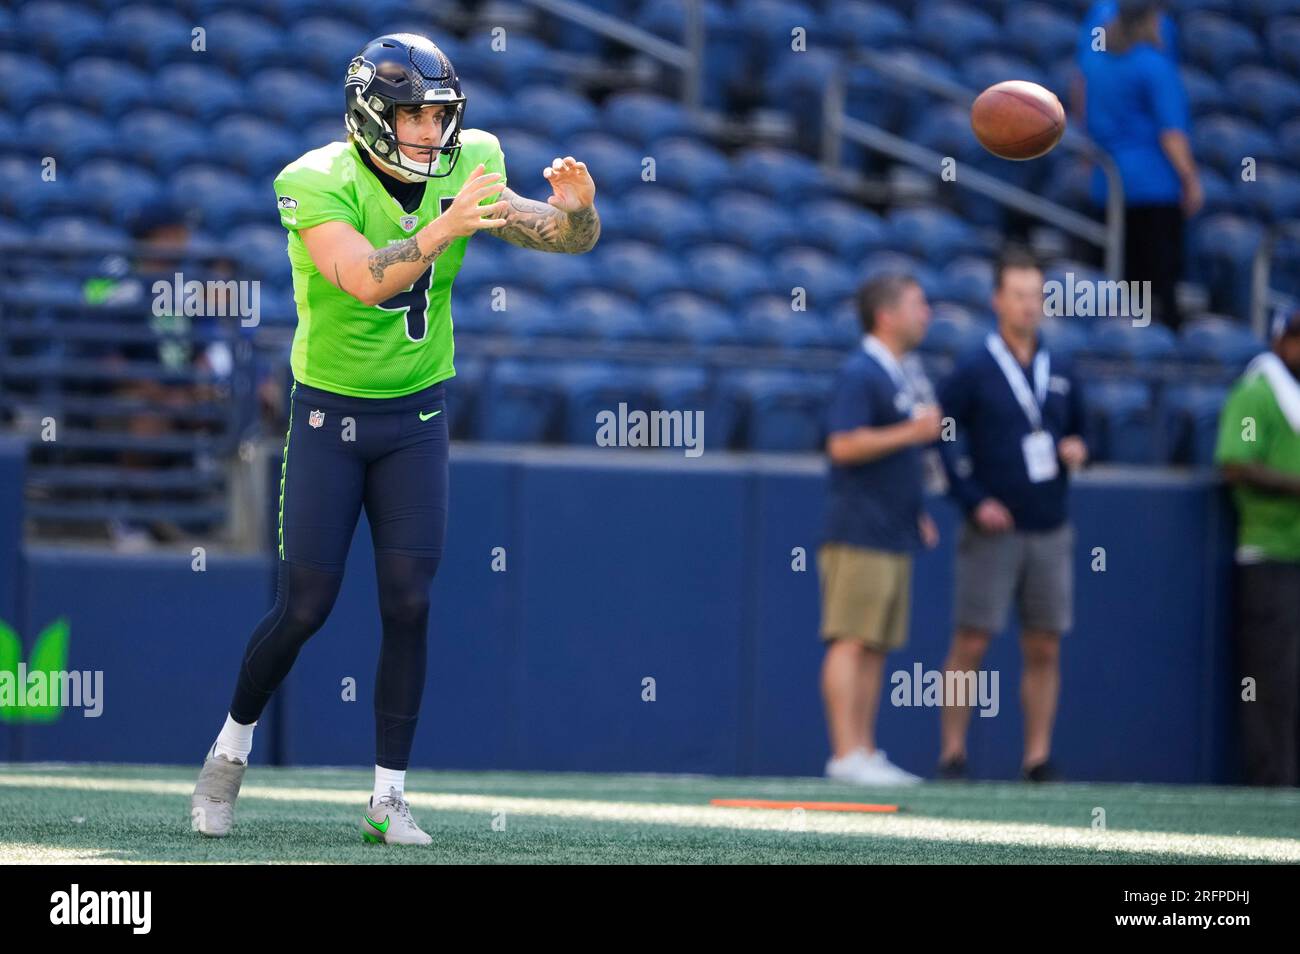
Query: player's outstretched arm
[373,275]
[566,222]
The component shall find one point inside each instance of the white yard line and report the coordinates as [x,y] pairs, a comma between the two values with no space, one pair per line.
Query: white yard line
[903,826]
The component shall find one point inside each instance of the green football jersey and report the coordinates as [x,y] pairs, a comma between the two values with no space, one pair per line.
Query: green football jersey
[342,344]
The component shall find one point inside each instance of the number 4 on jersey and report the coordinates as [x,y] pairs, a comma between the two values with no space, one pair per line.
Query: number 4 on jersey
[415,300]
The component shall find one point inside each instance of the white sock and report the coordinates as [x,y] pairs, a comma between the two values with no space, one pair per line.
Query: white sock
[389,778]
[235,741]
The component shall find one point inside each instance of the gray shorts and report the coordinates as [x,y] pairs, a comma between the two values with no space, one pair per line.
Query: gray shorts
[1036,569]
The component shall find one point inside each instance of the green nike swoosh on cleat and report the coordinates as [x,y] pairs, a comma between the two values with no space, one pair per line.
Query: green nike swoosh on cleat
[425,417]
[379,828]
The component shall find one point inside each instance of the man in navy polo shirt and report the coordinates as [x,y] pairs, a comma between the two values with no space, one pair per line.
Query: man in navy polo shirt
[880,416]
[1018,410]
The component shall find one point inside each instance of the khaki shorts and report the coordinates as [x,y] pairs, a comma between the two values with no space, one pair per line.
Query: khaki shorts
[866,595]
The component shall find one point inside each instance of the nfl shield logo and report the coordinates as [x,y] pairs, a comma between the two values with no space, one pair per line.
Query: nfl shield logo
[316,419]
[408,222]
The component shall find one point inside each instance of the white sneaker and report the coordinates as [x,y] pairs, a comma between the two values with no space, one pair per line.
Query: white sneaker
[861,768]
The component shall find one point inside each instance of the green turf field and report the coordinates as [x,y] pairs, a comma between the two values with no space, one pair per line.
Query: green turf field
[140,813]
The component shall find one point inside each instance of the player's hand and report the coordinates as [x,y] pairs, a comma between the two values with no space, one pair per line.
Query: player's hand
[465,216]
[572,183]
[992,517]
[929,530]
[1073,452]
[927,422]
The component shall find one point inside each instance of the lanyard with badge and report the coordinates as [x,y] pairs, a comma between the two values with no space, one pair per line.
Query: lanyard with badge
[1038,446]
[905,401]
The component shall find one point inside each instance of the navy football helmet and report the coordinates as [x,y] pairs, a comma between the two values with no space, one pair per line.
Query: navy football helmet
[403,69]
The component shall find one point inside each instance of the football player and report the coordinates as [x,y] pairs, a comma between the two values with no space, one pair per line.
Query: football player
[378,226]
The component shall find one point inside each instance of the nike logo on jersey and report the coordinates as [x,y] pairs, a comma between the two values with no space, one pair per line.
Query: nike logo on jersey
[425,417]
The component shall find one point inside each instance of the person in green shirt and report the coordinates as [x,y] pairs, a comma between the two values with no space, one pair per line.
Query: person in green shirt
[1258,454]
[378,227]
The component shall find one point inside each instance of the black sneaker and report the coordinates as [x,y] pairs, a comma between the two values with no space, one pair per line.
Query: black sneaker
[1042,772]
[953,770]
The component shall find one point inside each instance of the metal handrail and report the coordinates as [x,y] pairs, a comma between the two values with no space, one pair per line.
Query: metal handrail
[838,125]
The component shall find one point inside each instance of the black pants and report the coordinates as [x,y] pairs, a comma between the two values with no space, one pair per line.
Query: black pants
[1153,252]
[1268,651]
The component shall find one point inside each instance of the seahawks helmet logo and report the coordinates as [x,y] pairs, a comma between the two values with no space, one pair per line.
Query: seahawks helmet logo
[360,72]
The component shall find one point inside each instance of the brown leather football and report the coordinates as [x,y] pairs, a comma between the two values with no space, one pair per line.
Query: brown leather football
[1017,119]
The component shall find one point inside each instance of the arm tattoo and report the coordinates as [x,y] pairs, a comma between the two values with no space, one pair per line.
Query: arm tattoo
[541,226]
[407,250]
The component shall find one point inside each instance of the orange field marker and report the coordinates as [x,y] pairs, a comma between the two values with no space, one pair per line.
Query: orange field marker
[808,806]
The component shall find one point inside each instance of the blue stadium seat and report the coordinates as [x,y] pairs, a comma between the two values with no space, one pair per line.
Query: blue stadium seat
[691,318]
[1217,43]
[115,189]
[824,278]
[1225,141]
[79,231]
[560,274]
[515,309]
[26,81]
[615,164]
[784,410]
[1190,422]
[845,229]
[200,90]
[1284,42]
[1288,138]
[983,70]
[887,262]
[945,128]
[254,146]
[486,107]
[1070,183]
[762,225]
[110,86]
[263,250]
[1119,339]
[594,388]
[1040,33]
[527,155]
[520,402]
[150,35]
[165,140]
[1119,422]
[603,315]
[525,63]
[643,118]
[237,38]
[769,24]
[1273,196]
[11,230]
[639,269]
[26,196]
[221,198]
[1205,94]
[691,167]
[865,24]
[955,29]
[60,30]
[779,172]
[969,281]
[291,97]
[769,320]
[328,44]
[1269,96]
[69,133]
[667,217]
[1064,336]
[1219,194]
[1221,249]
[930,233]
[727,273]
[463,393]
[954,331]
[556,114]
[1218,340]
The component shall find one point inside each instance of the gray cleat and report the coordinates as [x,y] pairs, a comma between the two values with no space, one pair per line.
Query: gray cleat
[212,806]
[388,821]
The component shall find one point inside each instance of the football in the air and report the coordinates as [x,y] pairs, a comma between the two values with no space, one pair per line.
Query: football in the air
[1017,120]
